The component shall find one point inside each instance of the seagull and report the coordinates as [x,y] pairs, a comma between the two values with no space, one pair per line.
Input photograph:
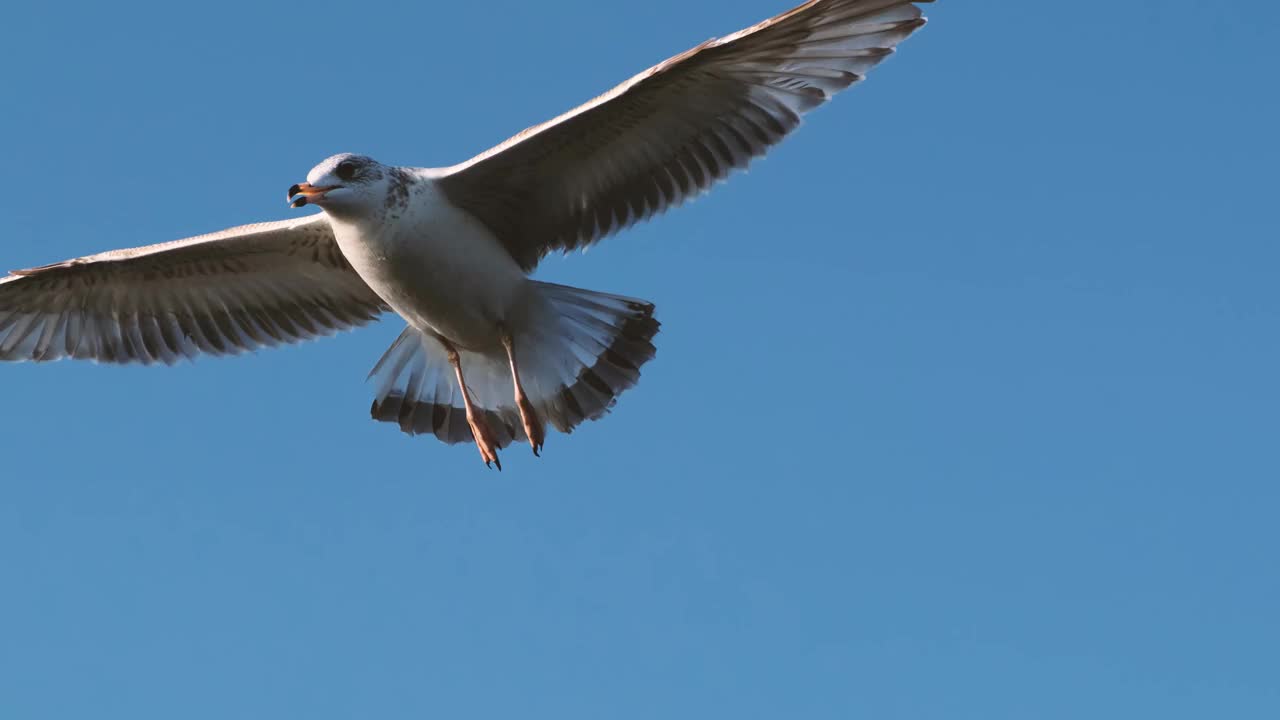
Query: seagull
[489,355]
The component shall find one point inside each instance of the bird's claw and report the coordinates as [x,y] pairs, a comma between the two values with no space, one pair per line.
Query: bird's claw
[485,443]
[533,427]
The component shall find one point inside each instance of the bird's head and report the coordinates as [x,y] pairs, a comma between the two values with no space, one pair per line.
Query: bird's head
[347,184]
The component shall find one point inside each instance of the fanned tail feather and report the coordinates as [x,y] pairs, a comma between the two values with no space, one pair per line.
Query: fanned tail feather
[578,355]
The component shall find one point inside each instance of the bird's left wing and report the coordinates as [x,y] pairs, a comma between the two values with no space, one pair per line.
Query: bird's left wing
[672,131]
[222,294]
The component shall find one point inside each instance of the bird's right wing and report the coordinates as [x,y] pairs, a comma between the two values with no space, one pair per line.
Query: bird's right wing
[222,294]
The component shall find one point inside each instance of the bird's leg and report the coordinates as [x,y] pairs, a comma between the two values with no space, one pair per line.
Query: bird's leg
[533,427]
[479,428]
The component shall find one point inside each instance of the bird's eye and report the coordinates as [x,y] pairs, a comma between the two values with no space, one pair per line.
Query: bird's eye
[346,170]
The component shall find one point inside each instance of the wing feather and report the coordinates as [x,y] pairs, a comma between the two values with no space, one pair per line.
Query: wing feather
[221,294]
[671,132]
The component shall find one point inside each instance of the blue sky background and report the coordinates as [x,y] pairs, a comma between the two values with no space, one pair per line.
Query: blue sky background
[965,403]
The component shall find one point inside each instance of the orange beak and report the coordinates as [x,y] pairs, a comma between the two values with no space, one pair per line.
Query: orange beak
[303,193]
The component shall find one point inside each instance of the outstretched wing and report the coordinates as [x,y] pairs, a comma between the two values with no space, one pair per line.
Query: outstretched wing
[222,294]
[672,131]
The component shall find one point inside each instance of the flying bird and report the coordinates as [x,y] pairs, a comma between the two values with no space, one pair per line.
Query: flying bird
[489,355]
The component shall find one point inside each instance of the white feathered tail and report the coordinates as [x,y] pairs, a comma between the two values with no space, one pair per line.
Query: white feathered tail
[574,363]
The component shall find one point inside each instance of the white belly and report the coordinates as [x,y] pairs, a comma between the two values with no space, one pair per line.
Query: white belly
[439,268]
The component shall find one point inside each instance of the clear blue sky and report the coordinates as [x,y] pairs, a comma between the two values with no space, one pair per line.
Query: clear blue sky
[965,403]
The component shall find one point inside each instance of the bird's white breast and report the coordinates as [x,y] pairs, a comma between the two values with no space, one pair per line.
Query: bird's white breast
[437,266]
